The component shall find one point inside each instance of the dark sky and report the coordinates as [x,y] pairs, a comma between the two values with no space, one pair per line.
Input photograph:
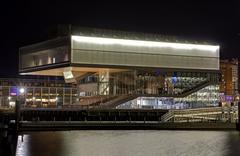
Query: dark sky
[28,21]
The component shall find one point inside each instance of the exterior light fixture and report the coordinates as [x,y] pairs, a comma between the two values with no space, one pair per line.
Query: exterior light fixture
[142,43]
[22,90]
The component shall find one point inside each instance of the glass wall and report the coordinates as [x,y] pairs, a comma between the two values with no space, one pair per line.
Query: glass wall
[206,97]
[37,93]
[157,82]
[40,96]
[44,57]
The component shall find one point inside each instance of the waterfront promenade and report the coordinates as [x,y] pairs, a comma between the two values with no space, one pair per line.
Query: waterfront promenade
[37,119]
[15,123]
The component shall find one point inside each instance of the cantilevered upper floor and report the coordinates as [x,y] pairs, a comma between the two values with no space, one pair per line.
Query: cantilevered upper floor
[82,51]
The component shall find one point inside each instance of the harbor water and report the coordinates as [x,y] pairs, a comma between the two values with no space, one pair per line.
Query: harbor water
[129,143]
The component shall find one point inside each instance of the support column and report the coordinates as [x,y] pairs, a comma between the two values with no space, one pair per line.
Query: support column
[41,97]
[103,84]
[135,85]
[63,96]
[33,101]
[71,96]
[56,97]
[49,96]
[238,121]
[114,86]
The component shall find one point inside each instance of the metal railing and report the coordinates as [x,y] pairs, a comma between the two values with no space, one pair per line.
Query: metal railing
[223,114]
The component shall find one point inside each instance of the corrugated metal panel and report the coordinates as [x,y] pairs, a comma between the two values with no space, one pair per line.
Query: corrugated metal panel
[144,56]
[144,60]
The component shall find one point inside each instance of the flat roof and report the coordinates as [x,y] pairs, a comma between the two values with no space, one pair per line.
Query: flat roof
[134,35]
[144,43]
[113,34]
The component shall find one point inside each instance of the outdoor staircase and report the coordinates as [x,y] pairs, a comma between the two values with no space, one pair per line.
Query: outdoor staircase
[118,100]
[195,115]
[79,78]
[195,89]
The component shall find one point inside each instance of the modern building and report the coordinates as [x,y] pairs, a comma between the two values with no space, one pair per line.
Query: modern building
[37,92]
[117,69]
[229,91]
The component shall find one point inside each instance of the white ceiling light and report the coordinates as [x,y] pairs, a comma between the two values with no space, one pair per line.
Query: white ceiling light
[111,41]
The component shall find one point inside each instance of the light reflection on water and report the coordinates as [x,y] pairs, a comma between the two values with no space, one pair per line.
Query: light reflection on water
[124,143]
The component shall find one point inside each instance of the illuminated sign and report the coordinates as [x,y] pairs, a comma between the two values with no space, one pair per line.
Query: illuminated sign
[13,91]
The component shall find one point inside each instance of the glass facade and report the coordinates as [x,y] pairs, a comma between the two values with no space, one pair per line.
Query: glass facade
[155,89]
[110,71]
[206,97]
[45,57]
[147,82]
[44,54]
[37,93]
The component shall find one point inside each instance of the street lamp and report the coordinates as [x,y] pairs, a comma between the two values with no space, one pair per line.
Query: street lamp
[22,90]
[21,95]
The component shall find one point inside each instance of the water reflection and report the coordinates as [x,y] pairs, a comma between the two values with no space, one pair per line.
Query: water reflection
[232,144]
[7,144]
[139,143]
[39,144]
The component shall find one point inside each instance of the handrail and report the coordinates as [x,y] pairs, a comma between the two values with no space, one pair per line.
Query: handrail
[195,113]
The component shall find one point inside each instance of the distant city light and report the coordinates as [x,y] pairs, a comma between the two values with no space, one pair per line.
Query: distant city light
[140,43]
[22,90]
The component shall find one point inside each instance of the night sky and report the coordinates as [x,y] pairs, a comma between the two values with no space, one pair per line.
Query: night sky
[27,22]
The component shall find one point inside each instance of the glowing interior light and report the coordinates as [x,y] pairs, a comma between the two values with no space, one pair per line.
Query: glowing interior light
[139,43]
[12,103]
[21,90]
[9,98]
[33,98]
